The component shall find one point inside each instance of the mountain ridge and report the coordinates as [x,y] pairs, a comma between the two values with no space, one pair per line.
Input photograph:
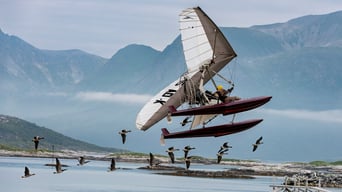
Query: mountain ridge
[26,67]
[18,133]
[307,31]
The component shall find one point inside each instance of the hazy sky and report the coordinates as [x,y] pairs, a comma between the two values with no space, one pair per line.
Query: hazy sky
[102,27]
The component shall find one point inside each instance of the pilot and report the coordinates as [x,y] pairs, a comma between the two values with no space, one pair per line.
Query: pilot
[223,94]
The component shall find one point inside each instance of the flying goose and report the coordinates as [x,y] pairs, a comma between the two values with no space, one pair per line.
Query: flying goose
[187,149]
[185,121]
[170,151]
[220,154]
[58,167]
[225,146]
[188,162]
[150,161]
[112,165]
[82,161]
[123,135]
[257,143]
[27,173]
[36,141]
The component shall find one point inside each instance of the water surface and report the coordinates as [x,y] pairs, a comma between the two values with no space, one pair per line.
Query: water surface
[95,177]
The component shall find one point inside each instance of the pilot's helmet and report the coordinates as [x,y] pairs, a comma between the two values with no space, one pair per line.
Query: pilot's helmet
[219,87]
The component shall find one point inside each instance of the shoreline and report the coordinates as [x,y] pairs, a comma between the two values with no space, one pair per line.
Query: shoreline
[331,174]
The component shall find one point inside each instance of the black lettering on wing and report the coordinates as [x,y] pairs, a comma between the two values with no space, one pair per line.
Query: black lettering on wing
[169,93]
[159,101]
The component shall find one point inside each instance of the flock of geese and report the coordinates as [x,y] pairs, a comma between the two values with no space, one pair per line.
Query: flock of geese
[222,151]
[170,151]
[58,166]
[36,139]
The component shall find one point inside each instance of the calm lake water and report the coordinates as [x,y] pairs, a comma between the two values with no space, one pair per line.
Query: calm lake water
[94,177]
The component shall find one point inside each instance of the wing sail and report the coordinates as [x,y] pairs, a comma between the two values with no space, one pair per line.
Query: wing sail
[204,45]
[203,42]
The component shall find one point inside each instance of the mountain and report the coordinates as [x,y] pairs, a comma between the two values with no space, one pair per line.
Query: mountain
[25,68]
[19,133]
[135,66]
[307,31]
[306,70]
[250,43]
[304,78]
[119,69]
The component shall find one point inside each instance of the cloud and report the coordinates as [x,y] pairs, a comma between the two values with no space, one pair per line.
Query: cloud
[332,116]
[112,97]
